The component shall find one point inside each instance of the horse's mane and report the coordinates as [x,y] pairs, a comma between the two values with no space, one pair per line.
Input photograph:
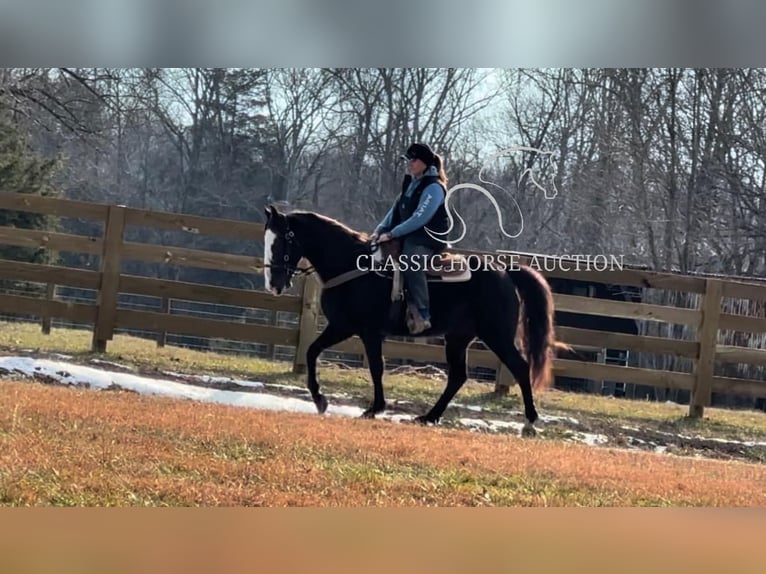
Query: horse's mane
[310,218]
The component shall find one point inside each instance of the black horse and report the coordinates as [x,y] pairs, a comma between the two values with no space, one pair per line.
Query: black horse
[358,303]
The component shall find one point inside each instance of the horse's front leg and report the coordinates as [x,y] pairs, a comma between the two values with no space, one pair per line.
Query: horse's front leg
[327,338]
[373,347]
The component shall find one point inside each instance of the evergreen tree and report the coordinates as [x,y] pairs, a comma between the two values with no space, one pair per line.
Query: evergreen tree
[22,171]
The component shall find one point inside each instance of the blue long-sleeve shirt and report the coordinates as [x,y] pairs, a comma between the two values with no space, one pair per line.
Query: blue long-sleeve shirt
[430,200]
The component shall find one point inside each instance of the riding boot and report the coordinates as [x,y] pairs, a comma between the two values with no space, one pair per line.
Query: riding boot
[418,316]
[417,320]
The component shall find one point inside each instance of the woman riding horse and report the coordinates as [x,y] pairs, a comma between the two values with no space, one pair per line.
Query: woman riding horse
[356,302]
[420,204]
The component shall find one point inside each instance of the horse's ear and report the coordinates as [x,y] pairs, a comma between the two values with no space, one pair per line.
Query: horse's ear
[267,211]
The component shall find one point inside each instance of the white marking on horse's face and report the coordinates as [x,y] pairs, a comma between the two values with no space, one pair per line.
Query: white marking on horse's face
[268,247]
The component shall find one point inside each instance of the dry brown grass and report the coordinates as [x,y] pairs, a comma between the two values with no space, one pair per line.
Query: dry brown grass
[64,446]
[144,354]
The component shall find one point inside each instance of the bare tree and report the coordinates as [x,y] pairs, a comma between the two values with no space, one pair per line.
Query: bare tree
[383,111]
[299,107]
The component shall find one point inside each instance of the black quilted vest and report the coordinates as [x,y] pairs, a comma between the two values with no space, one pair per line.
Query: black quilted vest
[406,206]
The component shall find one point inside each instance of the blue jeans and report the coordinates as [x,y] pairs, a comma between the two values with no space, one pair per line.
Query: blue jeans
[416,281]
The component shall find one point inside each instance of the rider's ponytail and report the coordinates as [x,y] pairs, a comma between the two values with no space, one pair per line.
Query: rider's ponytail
[438,162]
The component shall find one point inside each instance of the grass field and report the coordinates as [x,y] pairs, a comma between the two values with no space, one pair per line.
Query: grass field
[66,446]
[144,354]
[71,446]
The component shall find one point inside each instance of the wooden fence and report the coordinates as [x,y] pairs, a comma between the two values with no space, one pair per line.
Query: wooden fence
[109,281]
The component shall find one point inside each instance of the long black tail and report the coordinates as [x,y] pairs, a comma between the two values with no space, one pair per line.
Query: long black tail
[538,331]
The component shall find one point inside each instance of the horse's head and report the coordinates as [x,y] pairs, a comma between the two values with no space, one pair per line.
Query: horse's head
[282,251]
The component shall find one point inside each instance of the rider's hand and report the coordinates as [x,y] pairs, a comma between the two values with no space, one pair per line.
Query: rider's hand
[373,237]
[384,237]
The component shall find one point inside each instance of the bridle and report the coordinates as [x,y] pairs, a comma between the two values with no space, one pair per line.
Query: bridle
[291,267]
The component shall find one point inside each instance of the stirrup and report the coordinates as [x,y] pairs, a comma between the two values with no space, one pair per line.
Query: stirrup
[397,288]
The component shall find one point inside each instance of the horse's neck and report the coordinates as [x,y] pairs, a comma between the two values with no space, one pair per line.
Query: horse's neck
[330,253]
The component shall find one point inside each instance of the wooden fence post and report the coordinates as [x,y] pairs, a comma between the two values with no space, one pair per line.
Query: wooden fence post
[50,295]
[596,386]
[271,348]
[503,380]
[707,337]
[309,321]
[162,336]
[111,260]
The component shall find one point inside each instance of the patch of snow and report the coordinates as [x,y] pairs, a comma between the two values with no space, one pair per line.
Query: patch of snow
[70,374]
[506,425]
[109,364]
[473,408]
[541,418]
[285,387]
[100,379]
[733,442]
[588,438]
[713,439]
[213,380]
[474,424]
[490,425]
[558,419]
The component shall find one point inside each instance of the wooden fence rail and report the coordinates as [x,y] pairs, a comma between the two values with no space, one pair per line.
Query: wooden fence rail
[109,281]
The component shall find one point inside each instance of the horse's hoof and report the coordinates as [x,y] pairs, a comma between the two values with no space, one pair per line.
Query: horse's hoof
[528,430]
[373,410]
[321,403]
[423,420]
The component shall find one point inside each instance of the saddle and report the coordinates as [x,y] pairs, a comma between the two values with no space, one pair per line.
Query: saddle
[444,267]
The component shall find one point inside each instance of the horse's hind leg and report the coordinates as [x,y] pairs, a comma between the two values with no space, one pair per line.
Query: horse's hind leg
[327,338]
[503,346]
[456,347]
